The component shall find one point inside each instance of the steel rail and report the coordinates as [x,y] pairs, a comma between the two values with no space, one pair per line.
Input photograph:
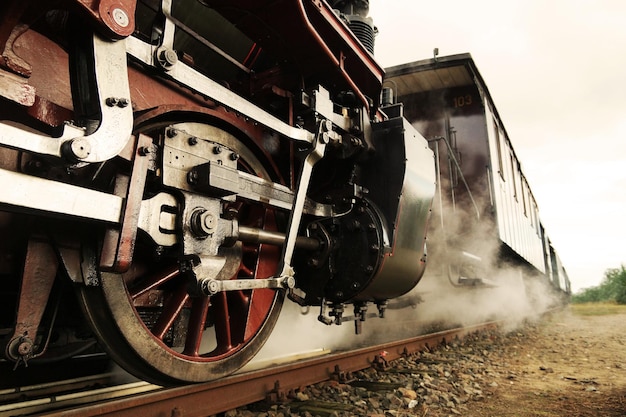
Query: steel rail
[246,388]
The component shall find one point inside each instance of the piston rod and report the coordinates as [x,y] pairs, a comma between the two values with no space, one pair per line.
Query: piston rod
[252,235]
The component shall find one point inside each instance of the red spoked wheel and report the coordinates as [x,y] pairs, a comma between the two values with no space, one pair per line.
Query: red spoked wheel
[157,329]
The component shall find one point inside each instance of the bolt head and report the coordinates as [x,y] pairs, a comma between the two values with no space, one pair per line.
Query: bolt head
[79,148]
[203,223]
[193,177]
[166,57]
[24,348]
[169,56]
[120,17]
[208,221]
[289,282]
[210,287]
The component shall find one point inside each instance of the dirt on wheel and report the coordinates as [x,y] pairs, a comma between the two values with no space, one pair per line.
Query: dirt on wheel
[571,364]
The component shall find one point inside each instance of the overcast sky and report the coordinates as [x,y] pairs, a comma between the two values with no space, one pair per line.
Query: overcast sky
[557,73]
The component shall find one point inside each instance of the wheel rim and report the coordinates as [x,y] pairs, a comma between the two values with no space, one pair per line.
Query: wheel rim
[140,316]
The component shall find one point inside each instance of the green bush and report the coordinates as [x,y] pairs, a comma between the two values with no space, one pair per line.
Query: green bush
[612,288]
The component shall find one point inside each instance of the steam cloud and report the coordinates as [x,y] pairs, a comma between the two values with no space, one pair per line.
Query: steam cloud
[512,295]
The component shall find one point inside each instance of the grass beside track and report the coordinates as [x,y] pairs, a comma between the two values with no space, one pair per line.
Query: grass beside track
[597,309]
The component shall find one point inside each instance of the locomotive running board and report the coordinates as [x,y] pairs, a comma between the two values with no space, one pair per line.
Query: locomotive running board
[58,198]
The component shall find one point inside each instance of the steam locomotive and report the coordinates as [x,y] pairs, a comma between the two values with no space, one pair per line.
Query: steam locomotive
[184,165]
[172,169]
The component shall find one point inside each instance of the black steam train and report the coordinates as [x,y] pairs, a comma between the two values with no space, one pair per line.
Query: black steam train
[172,169]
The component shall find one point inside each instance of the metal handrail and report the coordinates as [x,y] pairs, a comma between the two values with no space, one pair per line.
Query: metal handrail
[458,167]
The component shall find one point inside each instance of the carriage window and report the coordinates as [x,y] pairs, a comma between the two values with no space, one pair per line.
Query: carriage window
[513,176]
[496,132]
[531,214]
[524,195]
[536,213]
[518,178]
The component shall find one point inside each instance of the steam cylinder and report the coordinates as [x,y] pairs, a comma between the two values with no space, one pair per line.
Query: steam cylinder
[354,13]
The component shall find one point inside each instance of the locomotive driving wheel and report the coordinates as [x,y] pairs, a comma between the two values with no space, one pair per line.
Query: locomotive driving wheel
[154,323]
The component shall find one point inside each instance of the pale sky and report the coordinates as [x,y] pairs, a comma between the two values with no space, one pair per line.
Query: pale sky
[556,71]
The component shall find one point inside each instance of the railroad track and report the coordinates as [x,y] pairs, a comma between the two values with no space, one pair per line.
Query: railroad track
[200,400]
[43,398]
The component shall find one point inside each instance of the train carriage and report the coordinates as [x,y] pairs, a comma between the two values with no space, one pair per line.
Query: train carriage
[485,212]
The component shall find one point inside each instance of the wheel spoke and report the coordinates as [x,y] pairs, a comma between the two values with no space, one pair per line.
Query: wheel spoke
[260,300]
[250,250]
[246,271]
[154,281]
[223,332]
[195,329]
[171,310]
